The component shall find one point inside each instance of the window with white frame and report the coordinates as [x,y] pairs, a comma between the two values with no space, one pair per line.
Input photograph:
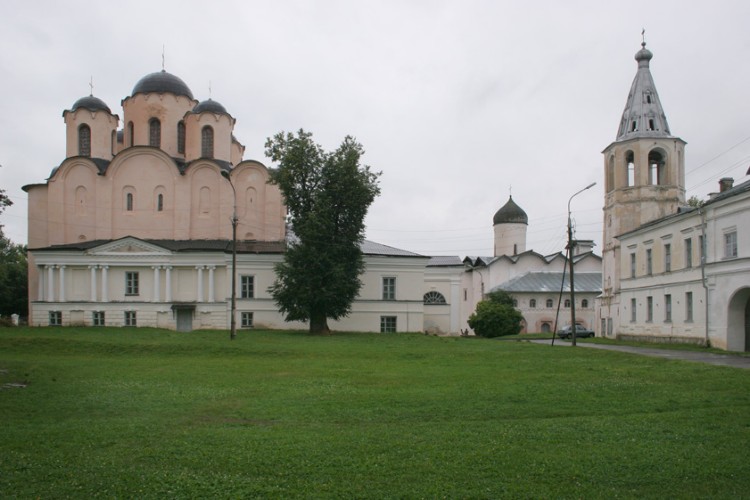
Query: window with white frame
[55,318]
[667,258]
[688,306]
[649,262]
[532,303]
[389,288]
[550,303]
[433,297]
[131,318]
[649,309]
[689,252]
[388,324]
[98,318]
[247,287]
[632,265]
[667,308]
[730,245]
[566,303]
[131,283]
[632,310]
[584,304]
[246,319]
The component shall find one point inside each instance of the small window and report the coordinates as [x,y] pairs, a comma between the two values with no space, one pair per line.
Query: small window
[84,140]
[632,265]
[584,304]
[649,309]
[651,124]
[550,303]
[532,303]
[207,142]
[649,262]
[433,297]
[388,324]
[689,306]
[154,133]
[129,202]
[632,310]
[566,304]
[55,318]
[130,318]
[648,98]
[181,137]
[160,203]
[247,287]
[668,308]
[246,320]
[114,143]
[389,288]
[131,134]
[633,126]
[131,283]
[98,318]
[667,258]
[689,253]
[730,245]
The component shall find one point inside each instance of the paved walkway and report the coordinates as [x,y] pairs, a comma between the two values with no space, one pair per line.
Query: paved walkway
[698,357]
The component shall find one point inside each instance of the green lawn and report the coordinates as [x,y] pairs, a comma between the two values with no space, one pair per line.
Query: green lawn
[157,414]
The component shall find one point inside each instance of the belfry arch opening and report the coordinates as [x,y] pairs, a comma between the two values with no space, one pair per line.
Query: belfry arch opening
[630,168]
[657,167]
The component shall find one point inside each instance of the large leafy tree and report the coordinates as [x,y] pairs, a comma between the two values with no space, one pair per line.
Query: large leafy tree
[327,196]
[13,278]
[495,316]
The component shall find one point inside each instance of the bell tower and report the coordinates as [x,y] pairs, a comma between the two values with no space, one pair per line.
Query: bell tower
[644,174]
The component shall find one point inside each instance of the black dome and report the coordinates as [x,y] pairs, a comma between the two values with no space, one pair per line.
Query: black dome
[160,82]
[510,213]
[91,103]
[210,106]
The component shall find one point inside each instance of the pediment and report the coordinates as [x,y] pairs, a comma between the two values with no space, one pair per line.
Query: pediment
[129,247]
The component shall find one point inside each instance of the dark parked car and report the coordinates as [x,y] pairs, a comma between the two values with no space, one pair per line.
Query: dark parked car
[581,332]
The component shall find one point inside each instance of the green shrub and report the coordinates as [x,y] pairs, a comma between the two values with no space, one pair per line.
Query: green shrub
[496,318]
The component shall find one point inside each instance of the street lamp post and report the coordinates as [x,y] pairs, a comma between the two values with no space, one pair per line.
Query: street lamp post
[233,319]
[571,245]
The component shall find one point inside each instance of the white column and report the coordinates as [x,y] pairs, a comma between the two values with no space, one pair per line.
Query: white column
[200,283]
[50,283]
[105,286]
[93,283]
[156,284]
[62,283]
[211,283]
[168,287]
[40,287]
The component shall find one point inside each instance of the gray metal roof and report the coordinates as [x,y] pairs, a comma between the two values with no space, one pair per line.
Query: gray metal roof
[643,115]
[550,282]
[373,248]
[161,82]
[186,245]
[510,213]
[445,261]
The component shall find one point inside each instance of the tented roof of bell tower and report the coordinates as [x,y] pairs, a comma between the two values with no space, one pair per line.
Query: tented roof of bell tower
[643,115]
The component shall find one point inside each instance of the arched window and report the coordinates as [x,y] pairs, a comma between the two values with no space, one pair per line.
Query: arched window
[129,202]
[584,303]
[550,304]
[630,161]
[657,174]
[207,142]
[433,297]
[546,328]
[154,132]
[131,134]
[181,137]
[532,303]
[160,203]
[84,140]
[566,303]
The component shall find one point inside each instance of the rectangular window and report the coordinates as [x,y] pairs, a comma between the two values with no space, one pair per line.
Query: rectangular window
[730,245]
[247,287]
[702,245]
[649,262]
[689,306]
[131,283]
[632,310]
[689,253]
[55,318]
[649,309]
[667,308]
[667,258]
[632,265]
[246,320]
[98,318]
[130,318]
[389,289]
[388,324]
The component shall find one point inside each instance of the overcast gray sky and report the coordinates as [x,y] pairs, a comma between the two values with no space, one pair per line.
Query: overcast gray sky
[454,101]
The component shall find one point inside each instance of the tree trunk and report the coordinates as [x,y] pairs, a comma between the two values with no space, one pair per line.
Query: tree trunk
[319,324]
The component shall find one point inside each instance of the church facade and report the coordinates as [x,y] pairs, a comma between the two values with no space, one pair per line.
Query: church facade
[670,272]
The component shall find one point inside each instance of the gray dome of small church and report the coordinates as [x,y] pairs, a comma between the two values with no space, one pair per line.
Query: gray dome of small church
[510,213]
[162,82]
[91,103]
[211,106]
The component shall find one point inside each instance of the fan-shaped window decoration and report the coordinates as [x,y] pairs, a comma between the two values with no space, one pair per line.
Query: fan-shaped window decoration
[207,142]
[84,140]
[154,133]
[181,137]
[434,298]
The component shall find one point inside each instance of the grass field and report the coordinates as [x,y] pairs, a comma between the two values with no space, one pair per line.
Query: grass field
[157,414]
